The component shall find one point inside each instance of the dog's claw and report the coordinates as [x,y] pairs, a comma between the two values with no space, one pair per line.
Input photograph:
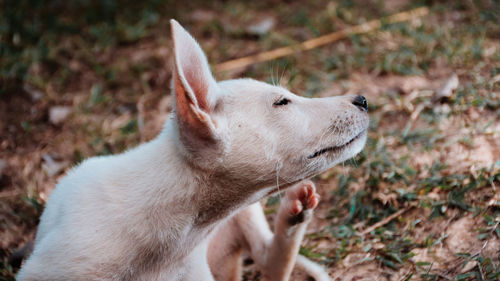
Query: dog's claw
[297,207]
[300,198]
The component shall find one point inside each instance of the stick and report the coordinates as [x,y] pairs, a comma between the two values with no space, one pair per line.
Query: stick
[384,221]
[320,41]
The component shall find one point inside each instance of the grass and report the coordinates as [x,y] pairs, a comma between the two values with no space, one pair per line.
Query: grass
[437,160]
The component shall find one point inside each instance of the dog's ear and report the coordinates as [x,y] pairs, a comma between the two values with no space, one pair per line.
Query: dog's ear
[195,88]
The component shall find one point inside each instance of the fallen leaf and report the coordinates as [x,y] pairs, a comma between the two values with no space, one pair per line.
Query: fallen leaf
[469,266]
[57,114]
[53,166]
[262,27]
[448,88]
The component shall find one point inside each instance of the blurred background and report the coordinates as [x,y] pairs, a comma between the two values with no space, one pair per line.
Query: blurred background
[81,78]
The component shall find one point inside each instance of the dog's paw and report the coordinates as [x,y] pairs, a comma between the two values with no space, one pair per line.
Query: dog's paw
[299,202]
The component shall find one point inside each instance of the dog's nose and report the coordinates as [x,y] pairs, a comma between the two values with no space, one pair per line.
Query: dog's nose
[360,102]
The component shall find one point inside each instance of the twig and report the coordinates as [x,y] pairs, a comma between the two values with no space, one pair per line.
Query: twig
[407,274]
[444,276]
[483,277]
[320,41]
[385,221]
[10,193]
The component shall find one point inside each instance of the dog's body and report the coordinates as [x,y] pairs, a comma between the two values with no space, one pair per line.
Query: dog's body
[150,213]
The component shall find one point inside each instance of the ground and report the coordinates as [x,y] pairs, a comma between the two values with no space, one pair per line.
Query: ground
[421,202]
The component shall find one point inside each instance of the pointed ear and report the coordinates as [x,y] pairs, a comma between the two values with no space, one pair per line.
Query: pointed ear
[194,87]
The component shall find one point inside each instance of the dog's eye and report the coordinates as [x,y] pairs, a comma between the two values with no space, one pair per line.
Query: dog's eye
[283,101]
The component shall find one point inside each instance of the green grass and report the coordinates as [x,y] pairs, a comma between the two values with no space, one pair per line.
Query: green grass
[103,56]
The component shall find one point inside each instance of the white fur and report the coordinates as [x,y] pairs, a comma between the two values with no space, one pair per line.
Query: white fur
[147,214]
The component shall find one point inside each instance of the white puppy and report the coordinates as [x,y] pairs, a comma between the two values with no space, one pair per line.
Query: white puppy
[151,213]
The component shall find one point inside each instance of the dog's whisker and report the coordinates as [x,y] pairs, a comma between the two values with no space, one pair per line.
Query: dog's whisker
[278,168]
[283,74]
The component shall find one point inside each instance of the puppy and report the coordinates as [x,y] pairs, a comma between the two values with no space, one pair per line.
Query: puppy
[153,212]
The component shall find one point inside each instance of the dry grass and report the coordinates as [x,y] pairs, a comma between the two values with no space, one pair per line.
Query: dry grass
[434,161]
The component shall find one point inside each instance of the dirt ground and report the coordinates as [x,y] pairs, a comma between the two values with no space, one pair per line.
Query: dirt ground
[421,202]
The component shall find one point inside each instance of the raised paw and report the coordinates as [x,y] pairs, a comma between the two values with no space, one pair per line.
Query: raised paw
[299,199]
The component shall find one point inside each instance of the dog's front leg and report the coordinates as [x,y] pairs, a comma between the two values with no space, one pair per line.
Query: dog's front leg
[293,216]
[274,254]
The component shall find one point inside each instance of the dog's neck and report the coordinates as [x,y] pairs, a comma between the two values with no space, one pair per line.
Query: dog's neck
[174,185]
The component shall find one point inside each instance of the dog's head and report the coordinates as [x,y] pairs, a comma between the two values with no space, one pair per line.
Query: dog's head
[256,134]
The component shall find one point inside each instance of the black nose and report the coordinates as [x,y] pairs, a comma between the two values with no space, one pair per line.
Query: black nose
[360,102]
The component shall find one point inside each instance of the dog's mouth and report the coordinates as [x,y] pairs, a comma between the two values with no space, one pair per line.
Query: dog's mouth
[336,148]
